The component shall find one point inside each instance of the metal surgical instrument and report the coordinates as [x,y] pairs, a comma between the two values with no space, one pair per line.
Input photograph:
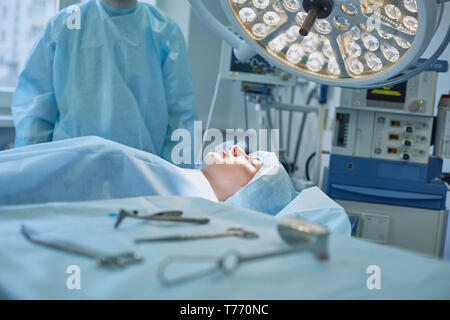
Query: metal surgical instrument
[174,216]
[113,262]
[300,234]
[233,232]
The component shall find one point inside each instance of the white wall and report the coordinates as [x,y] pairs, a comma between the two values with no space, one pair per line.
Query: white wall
[443,88]
[179,10]
[204,56]
[444,78]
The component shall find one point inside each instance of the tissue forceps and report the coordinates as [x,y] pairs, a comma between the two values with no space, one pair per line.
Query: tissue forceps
[174,215]
[300,234]
[232,232]
[108,261]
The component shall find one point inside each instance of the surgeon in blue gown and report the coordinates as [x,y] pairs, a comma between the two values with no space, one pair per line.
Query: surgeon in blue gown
[123,75]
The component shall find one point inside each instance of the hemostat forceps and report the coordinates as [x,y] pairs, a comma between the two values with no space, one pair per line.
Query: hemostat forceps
[117,261]
[174,216]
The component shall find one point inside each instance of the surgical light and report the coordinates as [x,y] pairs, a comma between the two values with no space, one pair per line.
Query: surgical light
[348,43]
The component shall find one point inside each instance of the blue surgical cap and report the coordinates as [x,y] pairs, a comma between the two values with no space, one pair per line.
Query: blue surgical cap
[270,190]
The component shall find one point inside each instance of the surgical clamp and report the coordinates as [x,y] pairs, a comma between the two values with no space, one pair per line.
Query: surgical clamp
[233,232]
[116,261]
[301,234]
[173,216]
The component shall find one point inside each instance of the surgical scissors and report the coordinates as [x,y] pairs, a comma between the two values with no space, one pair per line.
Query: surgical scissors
[232,232]
[115,261]
[302,235]
[173,216]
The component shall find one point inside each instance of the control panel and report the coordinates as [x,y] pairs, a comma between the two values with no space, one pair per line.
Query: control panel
[417,96]
[402,138]
[390,123]
[382,135]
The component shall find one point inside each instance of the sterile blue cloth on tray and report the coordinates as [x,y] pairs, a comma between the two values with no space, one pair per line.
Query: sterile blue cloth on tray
[30,271]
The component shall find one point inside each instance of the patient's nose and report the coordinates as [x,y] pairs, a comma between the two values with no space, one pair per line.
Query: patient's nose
[237,152]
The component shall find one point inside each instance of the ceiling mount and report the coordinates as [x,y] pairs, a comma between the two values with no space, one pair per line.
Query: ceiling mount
[316,9]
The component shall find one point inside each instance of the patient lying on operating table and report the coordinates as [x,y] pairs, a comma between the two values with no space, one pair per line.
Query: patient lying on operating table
[92,168]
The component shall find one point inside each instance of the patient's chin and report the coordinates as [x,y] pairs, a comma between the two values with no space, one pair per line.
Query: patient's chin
[223,196]
[228,191]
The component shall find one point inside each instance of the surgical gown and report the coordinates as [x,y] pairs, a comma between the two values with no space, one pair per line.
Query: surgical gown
[124,77]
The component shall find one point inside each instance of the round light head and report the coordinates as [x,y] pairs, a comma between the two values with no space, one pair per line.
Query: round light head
[360,42]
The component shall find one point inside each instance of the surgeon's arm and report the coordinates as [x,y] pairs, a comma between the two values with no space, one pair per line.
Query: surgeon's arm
[34,105]
[179,91]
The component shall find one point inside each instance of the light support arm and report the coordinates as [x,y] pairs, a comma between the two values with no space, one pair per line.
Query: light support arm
[242,51]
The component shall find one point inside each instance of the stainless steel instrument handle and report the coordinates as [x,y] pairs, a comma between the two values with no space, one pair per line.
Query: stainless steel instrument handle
[180,219]
[174,216]
[228,263]
[163,268]
[183,237]
[58,244]
[232,232]
[117,261]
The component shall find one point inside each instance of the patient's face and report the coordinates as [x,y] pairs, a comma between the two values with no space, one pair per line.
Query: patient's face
[230,170]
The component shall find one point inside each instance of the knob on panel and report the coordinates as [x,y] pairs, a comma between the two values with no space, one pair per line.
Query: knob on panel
[416,105]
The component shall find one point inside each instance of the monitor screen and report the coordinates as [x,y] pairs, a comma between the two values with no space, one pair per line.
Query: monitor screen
[395,93]
[256,65]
